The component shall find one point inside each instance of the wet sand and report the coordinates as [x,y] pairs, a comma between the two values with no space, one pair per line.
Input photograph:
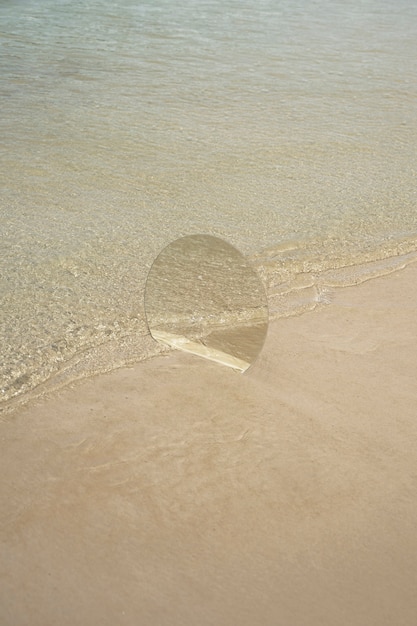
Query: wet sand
[179,492]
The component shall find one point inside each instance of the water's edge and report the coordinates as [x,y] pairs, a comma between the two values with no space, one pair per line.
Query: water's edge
[293,289]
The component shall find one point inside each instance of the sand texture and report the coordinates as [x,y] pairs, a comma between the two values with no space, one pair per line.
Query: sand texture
[180,492]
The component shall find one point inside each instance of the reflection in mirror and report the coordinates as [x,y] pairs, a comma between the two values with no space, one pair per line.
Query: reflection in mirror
[204,297]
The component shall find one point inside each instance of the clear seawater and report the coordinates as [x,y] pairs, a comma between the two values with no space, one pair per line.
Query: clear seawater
[286,127]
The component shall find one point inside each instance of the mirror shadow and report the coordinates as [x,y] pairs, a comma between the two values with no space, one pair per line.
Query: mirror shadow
[202,296]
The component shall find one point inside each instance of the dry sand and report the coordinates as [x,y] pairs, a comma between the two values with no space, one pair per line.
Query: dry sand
[180,492]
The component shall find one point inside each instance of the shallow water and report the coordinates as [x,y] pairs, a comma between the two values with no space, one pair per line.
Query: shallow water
[287,128]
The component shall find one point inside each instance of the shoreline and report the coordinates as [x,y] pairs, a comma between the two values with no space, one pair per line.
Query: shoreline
[177,491]
[306,292]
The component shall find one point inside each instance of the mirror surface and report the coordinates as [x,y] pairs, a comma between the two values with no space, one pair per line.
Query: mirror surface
[203,296]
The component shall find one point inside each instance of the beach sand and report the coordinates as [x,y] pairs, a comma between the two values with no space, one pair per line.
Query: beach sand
[179,492]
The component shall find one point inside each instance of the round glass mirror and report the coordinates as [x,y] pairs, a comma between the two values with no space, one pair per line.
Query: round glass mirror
[202,296]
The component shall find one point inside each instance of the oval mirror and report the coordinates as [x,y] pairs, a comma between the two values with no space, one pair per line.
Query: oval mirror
[202,296]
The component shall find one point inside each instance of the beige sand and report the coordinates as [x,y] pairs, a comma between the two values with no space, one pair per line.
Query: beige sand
[180,492]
